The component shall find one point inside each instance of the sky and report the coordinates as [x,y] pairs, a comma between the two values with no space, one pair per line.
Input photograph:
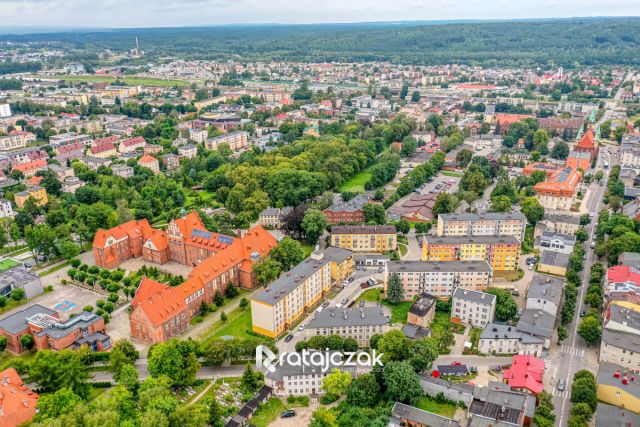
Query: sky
[163,13]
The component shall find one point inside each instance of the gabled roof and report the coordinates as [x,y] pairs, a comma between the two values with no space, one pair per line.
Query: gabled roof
[587,141]
[129,229]
[147,159]
[107,146]
[36,164]
[158,301]
[526,373]
[18,401]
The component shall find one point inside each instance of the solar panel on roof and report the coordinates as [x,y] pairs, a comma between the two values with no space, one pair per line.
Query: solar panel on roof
[225,239]
[201,233]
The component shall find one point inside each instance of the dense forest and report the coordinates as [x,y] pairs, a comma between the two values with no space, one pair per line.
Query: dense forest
[583,41]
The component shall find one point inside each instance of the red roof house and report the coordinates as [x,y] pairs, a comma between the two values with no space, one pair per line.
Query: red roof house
[525,374]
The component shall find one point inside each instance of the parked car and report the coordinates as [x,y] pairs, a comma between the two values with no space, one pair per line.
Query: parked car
[364,285]
[583,313]
[338,305]
[345,301]
[561,384]
[288,413]
[288,338]
[326,304]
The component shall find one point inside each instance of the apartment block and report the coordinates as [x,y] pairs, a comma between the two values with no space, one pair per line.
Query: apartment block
[622,348]
[39,194]
[365,238]
[346,212]
[501,252]
[293,295]
[357,323]
[235,140]
[16,139]
[497,338]
[557,223]
[473,307]
[439,279]
[488,224]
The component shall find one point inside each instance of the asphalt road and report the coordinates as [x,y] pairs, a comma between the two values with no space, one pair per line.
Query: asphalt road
[573,350]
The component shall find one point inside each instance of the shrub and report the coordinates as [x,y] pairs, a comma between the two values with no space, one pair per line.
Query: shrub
[88,308]
[75,262]
[113,297]
[100,303]
[223,316]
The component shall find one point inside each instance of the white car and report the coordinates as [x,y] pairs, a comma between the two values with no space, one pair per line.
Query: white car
[301,328]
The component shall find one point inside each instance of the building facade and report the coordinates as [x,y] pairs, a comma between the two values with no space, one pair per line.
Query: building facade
[472,307]
[501,252]
[365,238]
[489,224]
[357,323]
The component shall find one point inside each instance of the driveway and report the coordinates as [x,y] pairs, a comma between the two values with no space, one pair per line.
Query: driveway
[302,418]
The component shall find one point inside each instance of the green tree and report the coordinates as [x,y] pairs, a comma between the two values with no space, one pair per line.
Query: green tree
[392,345]
[532,210]
[506,307]
[544,416]
[402,383]
[560,151]
[403,226]
[53,405]
[374,213]
[501,204]
[590,329]
[266,271]
[363,391]
[55,370]
[422,354]
[249,380]
[323,417]
[288,253]
[584,388]
[215,414]
[463,158]
[395,289]
[27,342]
[336,383]
[314,224]
[415,96]
[174,359]
[445,203]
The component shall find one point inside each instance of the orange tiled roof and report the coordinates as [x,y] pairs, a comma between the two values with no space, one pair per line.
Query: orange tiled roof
[129,229]
[506,119]
[587,141]
[147,159]
[159,239]
[17,401]
[158,301]
[36,164]
[563,183]
[34,180]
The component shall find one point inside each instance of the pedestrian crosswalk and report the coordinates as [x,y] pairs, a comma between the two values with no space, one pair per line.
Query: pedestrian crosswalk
[561,394]
[579,352]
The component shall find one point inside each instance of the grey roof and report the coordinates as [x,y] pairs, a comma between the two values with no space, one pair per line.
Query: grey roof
[449,240]
[494,216]
[629,258]
[402,411]
[7,182]
[415,332]
[554,258]
[270,212]
[624,340]
[488,402]
[62,329]
[508,332]
[463,388]
[546,287]
[363,316]
[423,305]
[564,238]
[438,266]
[363,229]
[18,277]
[289,281]
[352,205]
[537,322]
[364,257]
[612,416]
[453,369]
[287,370]
[336,254]
[569,219]
[606,377]
[17,322]
[474,296]
[620,314]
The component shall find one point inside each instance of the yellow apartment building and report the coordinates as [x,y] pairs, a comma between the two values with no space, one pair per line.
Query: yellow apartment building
[37,192]
[488,224]
[365,238]
[616,387]
[501,252]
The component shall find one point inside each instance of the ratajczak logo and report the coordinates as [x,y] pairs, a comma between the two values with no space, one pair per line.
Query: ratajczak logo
[325,360]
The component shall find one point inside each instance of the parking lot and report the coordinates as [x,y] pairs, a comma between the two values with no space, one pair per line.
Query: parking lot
[441,184]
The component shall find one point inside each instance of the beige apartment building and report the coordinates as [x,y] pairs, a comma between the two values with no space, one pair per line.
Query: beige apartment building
[439,278]
[473,307]
[488,224]
[621,348]
[357,323]
[365,238]
[236,141]
[287,299]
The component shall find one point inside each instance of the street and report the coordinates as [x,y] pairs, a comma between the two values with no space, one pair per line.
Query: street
[574,354]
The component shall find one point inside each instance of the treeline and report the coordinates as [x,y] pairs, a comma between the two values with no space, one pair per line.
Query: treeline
[10,84]
[575,41]
[10,67]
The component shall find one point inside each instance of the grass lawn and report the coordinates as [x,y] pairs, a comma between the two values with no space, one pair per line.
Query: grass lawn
[237,324]
[13,250]
[357,182]
[307,249]
[268,412]
[54,269]
[403,248]
[132,80]
[7,263]
[429,404]
[441,321]
[398,311]
[451,173]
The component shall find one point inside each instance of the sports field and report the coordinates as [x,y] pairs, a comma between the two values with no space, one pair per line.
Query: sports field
[7,263]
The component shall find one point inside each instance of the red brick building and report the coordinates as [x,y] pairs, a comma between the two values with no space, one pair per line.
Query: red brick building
[48,332]
[587,144]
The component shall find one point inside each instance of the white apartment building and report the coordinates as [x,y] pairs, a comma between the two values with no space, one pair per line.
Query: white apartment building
[198,135]
[16,139]
[439,278]
[630,152]
[488,224]
[288,298]
[473,307]
[504,339]
[299,380]
[558,223]
[357,323]
[6,209]
[123,171]
[5,110]
[236,140]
